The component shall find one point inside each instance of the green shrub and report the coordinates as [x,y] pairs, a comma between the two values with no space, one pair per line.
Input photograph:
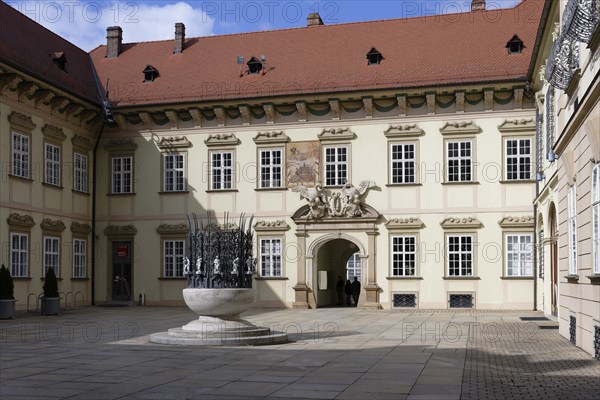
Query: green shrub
[7,286]
[51,285]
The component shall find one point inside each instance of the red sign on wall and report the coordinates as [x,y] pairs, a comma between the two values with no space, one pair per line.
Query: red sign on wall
[122,251]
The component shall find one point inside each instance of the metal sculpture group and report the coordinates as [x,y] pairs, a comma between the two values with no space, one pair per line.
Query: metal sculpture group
[220,256]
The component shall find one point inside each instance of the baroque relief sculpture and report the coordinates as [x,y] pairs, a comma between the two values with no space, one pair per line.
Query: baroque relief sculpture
[347,202]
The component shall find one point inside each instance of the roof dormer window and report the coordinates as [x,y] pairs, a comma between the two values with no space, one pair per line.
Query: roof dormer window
[374,57]
[150,73]
[59,59]
[515,45]
[254,66]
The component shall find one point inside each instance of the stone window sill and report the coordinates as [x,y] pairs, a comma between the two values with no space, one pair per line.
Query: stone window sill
[460,183]
[279,189]
[460,278]
[271,278]
[517,278]
[529,181]
[404,278]
[413,184]
[51,185]
[174,192]
[87,194]
[595,278]
[222,191]
[120,194]
[22,278]
[20,178]
[572,278]
[80,279]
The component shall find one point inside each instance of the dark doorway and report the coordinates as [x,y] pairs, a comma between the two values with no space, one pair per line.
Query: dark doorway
[121,267]
[332,261]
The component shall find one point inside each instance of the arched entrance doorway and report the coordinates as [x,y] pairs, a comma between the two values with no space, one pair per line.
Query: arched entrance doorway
[553,260]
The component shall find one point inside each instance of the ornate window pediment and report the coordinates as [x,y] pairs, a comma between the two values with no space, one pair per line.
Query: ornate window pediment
[270,226]
[271,137]
[25,221]
[464,127]
[120,230]
[54,132]
[77,227]
[397,131]
[336,134]
[121,145]
[517,125]
[81,142]
[404,223]
[222,139]
[21,121]
[172,229]
[174,142]
[516,222]
[52,225]
[461,223]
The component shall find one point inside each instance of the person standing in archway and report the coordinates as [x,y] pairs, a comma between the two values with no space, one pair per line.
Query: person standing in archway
[339,288]
[355,291]
[348,291]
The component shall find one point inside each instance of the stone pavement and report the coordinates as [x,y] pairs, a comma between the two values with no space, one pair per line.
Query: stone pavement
[343,353]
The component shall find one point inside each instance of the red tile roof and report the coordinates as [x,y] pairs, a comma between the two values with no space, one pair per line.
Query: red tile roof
[29,47]
[423,51]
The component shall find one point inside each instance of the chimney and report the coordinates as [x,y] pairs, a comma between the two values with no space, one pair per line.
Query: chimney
[179,37]
[478,5]
[114,40]
[314,19]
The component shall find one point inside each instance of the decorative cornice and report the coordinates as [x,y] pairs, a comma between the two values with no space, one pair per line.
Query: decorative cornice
[55,225]
[395,131]
[24,221]
[174,142]
[169,229]
[120,230]
[451,128]
[54,132]
[302,111]
[21,121]
[404,223]
[220,227]
[461,223]
[516,222]
[81,142]
[271,137]
[402,105]
[120,145]
[270,226]
[246,115]
[336,134]
[196,116]
[76,227]
[222,139]
[517,125]
[269,113]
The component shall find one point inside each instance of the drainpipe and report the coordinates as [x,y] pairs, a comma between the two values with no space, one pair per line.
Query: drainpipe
[537,193]
[93,263]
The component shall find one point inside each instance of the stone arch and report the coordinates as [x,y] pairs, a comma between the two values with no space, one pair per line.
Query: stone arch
[314,247]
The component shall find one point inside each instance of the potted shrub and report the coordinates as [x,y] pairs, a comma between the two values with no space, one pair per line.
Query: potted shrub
[51,299]
[7,294]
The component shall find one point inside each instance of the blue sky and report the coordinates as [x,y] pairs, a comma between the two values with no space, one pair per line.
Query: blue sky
[84,22]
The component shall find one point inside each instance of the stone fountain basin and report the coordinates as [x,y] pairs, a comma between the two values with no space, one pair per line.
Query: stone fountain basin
[219,302]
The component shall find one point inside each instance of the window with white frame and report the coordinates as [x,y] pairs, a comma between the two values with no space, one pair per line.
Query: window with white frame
[336,166]
[404,255]
[20,155]
[174,252]
[519,253]
[403,159]
[221,170]
[80,172]
[459,157]
[51,254]
[460,255]
[122,174]
[270,257]
[354,267]
[596,219]
[572,223]
[518,159]
[271,167]
[541,254]
[174,172]
[52,164]
[19,254]
[79,258]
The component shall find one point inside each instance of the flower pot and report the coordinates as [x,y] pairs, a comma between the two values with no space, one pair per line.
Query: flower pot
[7,309]
[50,305]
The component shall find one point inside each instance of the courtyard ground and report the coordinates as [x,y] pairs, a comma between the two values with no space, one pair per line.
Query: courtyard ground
[343,353]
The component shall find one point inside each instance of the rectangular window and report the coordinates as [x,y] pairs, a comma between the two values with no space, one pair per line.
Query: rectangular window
[404,255]
[403,163]
[19,254]
[596,219]
[174,251]
[336,166]
[460,255]
[541,254]
[354,267]
[122,175]
[221,171]
[518,159]
[20,155]
[270,168]
[270,257]
[572,223]
[459,156]
[519,255]
[80,172]
[52,164]
[51,254]
[174,173]
[79,258]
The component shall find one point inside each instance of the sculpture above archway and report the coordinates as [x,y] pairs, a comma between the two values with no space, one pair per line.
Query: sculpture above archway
[347,202]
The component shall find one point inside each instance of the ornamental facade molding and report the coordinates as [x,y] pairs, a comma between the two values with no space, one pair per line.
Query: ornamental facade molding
[172,229]
[174,142]
[461,223]
[396,131]
[336,134]
[120,230]
[120,145]
[464,127]
[20,220]
[54,132]
[222,139]
[404,223]
[81,142]
[271,137]
[517,125]
[55,225]
[270,226]
[77,227]
[516,222]
[21,121]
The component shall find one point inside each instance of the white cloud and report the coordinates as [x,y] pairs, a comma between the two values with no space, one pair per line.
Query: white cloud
[84,23]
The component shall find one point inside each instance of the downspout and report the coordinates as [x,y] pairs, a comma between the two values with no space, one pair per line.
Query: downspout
[93,263]
[538,175]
